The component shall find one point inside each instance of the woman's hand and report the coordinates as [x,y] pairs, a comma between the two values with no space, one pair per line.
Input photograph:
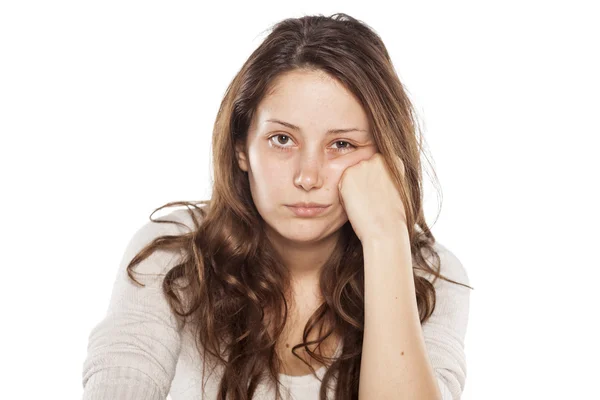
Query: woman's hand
[371,200]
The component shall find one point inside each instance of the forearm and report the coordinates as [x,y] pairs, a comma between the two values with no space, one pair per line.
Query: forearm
[395,363]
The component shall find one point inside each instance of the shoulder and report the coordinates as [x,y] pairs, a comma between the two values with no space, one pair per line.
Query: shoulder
[179,221]
[161,260]
[451,266]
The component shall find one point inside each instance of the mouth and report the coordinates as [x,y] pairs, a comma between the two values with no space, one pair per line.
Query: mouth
[308,211]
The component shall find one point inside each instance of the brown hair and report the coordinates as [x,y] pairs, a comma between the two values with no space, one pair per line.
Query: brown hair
[231,273]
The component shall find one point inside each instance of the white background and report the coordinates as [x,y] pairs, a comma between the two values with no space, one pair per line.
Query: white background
[106,113]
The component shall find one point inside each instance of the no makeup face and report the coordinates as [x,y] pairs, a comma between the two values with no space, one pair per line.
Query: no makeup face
[304,134]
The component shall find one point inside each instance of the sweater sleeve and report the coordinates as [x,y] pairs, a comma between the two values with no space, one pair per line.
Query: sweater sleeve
[133,351]
[444,332]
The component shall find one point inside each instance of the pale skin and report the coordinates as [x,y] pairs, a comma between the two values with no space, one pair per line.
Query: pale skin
[310,165]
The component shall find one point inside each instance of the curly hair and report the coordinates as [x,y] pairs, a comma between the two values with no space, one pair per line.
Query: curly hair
[231,275]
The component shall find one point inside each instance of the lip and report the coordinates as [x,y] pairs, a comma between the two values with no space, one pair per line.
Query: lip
[308,211]
[308,205]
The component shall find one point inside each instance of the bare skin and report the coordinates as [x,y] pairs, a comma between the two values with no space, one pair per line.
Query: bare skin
[298,316]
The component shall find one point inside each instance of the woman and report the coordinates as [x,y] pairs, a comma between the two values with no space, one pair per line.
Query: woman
[257,294]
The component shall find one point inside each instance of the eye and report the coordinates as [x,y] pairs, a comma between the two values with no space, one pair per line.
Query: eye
[349,145]
[277,143]
[276,136]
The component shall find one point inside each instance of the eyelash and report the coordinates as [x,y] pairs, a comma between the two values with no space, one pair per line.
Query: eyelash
[281,148]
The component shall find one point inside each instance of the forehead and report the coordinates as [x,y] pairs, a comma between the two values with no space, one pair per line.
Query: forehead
[311,99]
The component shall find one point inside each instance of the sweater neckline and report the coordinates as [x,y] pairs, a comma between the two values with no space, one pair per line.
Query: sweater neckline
[301,380]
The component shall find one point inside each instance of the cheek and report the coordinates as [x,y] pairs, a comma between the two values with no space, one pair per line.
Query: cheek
[340,164]
[270,176]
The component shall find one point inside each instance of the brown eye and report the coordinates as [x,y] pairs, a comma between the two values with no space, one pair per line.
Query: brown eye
[344,148]
[285,136]
[277,143]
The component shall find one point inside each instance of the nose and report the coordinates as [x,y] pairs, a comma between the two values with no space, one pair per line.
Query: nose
[309,173]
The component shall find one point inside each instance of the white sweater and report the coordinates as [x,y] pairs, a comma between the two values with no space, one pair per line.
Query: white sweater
[137,352]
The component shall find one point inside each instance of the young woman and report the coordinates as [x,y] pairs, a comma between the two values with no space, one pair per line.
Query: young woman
[311,272]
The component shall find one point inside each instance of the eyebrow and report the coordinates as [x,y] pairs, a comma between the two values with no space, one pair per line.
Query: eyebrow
[329,132]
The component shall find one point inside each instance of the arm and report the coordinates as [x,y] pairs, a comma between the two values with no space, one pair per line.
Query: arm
[443,333]
[446,328]
[395,363]
[132,353]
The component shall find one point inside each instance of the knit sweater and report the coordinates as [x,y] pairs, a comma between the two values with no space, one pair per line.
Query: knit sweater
[138,351]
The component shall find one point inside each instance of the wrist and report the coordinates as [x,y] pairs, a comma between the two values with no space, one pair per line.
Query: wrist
[395,238]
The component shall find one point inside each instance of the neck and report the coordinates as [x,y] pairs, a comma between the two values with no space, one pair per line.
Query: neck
[304,260]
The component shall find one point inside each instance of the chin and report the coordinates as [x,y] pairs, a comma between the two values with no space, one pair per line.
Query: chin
[305,238]
[302,233]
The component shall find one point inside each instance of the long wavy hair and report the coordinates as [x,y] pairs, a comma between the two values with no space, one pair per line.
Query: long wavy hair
[231,275]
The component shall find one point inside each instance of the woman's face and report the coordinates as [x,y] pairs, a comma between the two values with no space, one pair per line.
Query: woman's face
[287,165]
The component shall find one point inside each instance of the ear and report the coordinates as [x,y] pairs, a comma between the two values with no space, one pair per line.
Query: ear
[241,156]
